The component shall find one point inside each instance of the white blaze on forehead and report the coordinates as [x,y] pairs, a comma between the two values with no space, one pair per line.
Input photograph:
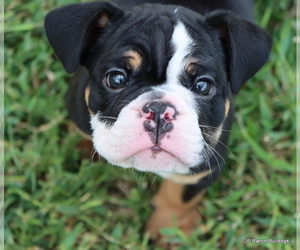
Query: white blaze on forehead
[182,43]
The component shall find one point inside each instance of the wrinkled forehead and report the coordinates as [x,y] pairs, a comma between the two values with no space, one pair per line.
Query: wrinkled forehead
[156,36]
[153,26]
[149,30]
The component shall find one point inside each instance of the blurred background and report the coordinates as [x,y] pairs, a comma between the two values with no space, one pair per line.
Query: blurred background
[54,199]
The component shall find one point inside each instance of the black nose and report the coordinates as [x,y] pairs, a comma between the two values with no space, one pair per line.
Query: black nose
[159,119]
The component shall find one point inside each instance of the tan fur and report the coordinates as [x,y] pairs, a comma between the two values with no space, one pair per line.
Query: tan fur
[218,132]
[188,179]
[191,65]
[134,59]
[86,97]
[169,206]
[103,20]
[227,107]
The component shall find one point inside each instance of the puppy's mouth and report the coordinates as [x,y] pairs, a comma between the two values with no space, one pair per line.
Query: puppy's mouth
[157,159]
[156,149]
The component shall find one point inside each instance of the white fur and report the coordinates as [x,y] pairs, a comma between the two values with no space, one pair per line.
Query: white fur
[127,144]
[182,43]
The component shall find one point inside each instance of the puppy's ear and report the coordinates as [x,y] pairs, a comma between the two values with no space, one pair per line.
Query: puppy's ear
[246,45]
[72,28]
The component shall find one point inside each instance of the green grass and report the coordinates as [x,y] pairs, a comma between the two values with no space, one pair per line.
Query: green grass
[55,201]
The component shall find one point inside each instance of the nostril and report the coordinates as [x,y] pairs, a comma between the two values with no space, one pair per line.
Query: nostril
[150,115]
[155,111]
[167,118]
[169,115]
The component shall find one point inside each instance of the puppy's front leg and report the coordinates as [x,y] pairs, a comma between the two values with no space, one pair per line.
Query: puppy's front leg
[171,206]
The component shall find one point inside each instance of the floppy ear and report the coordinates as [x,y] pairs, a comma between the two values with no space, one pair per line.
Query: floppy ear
[246,45]
[72,28]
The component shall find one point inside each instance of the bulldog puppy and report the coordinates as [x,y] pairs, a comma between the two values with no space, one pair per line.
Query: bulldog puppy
[154,87]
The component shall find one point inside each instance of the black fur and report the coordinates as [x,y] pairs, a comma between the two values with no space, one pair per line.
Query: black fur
[229,46]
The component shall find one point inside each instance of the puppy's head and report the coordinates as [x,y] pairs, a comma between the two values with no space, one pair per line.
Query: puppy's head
[161,78]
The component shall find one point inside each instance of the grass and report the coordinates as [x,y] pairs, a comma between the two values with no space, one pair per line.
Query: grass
[55,201]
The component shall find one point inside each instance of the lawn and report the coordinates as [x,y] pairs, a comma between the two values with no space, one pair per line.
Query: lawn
[55,200]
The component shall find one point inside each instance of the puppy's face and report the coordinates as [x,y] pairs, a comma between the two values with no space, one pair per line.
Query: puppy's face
[159,91]
[158,95]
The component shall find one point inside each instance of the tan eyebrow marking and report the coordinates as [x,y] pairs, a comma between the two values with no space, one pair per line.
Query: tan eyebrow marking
[102,21]
[134,59]
[191,65]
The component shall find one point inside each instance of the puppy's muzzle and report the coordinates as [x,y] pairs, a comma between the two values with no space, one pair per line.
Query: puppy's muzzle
[159,119]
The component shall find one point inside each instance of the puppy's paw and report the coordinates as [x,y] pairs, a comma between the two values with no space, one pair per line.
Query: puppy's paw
[169,210]
[185,220]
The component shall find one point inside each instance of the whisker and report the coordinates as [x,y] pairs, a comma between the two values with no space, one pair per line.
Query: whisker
[215,151]
[208,162]
[93,155]
[191,172]
[207,157]
[144,176]
[205,126]
[211,58]
[108,117]
[223,144]
[153,180]
[213,154]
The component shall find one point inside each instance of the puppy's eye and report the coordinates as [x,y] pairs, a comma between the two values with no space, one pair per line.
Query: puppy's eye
[203,86]
[116,80]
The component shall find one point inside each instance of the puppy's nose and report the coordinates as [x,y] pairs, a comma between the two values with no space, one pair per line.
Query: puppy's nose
[156,111]
[159,118]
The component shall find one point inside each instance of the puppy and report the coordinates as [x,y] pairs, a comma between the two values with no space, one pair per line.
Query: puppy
[154,87]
